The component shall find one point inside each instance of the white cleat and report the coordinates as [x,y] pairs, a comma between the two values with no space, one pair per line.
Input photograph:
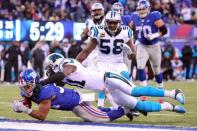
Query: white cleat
[179,109]
[179,96]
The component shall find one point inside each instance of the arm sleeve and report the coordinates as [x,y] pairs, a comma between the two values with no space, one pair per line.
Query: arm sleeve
[56,78]
[129,35]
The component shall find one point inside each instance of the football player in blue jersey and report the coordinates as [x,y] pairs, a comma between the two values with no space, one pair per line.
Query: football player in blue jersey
[55,97]
[149,27]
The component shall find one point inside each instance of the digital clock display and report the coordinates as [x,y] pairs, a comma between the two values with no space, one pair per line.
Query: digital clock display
[21,30]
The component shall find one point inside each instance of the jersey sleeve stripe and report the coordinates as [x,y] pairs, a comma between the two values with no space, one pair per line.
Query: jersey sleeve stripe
[93,112]
[129,33]
[95,32]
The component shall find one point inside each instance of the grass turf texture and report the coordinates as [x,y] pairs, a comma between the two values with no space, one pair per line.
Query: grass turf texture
[8,93]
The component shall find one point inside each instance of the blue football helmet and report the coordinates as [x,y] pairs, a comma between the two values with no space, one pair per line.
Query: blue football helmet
[143,8]
[118,7]
[27,81]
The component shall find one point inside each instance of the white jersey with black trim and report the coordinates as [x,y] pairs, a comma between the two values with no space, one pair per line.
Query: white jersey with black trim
[91,60]
[90,24]
[83,77]
[111,47]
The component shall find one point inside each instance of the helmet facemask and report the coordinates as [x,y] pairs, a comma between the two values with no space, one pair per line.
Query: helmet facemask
[112,26]
[49,63]
[97,14]
[143,12]
[28,89]
[97,11]
[112,22]
[27,82]
[143,8]
[118,7]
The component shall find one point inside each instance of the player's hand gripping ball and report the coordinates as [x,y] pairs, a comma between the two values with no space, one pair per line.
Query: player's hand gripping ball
[26,102]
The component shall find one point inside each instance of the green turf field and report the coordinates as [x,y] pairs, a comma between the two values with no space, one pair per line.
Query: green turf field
[10,92]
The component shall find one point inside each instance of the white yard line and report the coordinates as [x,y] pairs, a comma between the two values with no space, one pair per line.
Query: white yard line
[75,127]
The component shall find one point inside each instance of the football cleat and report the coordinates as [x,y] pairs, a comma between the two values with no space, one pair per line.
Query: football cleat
[130,116]
[179,109]
[179,96]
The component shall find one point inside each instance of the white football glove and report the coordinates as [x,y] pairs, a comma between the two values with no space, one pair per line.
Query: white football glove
[152,36]
[18,107]
[127,50]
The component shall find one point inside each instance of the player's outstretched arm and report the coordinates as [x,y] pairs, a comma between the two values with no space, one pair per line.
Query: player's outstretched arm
[57,77]
[43,110]
[85,52]
[40,114]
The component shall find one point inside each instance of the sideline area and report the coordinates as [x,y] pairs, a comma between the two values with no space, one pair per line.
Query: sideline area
[7,124]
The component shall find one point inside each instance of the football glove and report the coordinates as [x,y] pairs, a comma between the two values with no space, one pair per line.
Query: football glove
[152,36]
[18,107]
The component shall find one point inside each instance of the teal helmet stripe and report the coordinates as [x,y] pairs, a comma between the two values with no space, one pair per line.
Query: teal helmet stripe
[116,76]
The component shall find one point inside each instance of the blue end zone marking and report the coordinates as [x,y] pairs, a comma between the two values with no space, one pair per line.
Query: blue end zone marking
[101,124]
[9,129]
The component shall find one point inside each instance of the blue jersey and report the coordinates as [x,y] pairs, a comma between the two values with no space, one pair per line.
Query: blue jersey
[126,19]
[146,26]
[65,99]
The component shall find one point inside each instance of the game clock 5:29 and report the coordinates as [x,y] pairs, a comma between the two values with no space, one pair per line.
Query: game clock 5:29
[47,31]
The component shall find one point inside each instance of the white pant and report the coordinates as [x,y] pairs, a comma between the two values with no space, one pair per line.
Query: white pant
[120,89]
[88,112]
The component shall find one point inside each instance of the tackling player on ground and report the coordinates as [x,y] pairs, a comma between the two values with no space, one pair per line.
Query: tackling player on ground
[55,97]
[121,90]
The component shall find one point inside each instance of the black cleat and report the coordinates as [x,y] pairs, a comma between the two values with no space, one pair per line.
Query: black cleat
[130,116]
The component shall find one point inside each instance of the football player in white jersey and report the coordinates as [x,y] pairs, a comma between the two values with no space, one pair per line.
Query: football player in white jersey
[121,90]
[111,38]
[97,13]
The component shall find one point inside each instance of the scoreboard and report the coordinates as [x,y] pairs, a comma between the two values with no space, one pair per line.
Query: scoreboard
[21,30]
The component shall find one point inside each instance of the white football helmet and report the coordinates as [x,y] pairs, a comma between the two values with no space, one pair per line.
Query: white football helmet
[118,7]
[97,10]
[49,62]
[112,22]
[56,65]
[143,8]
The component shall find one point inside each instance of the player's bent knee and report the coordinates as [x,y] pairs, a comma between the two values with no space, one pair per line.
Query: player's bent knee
[157,70]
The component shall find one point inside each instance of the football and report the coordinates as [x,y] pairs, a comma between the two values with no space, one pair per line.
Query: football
[26,101]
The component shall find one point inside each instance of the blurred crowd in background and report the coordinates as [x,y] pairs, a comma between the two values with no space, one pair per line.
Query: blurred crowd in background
[173,11]
[177,64]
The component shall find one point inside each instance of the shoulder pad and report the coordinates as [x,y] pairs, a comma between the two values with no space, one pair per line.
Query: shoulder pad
[155,13]
[87,22]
